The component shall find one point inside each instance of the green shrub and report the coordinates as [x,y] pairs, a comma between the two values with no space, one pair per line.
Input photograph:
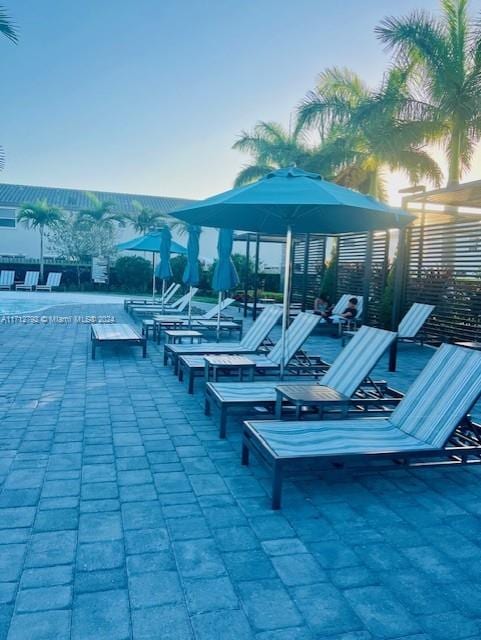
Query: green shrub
[133,273]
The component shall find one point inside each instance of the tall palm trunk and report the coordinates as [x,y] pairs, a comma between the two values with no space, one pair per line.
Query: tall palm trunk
[41,253]
[455,144]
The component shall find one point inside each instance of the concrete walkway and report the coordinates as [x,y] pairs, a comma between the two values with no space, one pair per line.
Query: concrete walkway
[122,515]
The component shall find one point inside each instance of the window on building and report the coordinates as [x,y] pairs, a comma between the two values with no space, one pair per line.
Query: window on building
[8,217]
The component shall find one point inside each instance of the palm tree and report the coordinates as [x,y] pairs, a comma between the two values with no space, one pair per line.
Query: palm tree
[40,216]
[271,147]
[102,214]
[445,54]
[365,132]
[8,29]
[146,219]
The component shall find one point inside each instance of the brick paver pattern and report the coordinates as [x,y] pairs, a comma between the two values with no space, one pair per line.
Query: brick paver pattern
[122,515]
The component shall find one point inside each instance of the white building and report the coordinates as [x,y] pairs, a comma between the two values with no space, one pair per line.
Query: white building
[16,240]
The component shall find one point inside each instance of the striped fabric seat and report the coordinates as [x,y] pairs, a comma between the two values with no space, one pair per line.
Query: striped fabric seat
[213,311]
[53,281]
[31,280]
[6,279]
[345,375]
[440,397]
[296,335]
[251,342]
[414,319]
[357,359]
[341,304]
[335,437]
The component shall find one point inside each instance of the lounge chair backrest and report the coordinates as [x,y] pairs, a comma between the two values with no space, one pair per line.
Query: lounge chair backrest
[53,279]
[7,278]
[341,304]
[213,311]
[441,396]
[357,359]
[31,278]
[171,291]
[185,300]
[298,332]
[261,328]
[414,319]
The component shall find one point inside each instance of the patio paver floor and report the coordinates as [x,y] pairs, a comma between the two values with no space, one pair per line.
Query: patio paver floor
[122,515]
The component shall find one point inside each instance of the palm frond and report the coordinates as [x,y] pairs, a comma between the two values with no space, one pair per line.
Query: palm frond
[7,27]
[252,172]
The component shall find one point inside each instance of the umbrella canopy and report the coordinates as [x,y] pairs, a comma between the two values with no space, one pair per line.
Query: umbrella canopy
[191,274]
[298,199]
[225,274]
[150,242]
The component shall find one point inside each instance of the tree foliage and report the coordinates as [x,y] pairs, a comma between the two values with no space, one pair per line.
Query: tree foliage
[444,55]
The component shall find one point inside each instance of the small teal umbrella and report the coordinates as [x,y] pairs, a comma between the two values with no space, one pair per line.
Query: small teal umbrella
[191,272]
[152,242]
[225,274]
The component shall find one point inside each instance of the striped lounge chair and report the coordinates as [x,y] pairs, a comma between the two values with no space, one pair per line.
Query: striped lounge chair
[250,343]
[349,370]
[411,324]
[31,281]
[206,321]
[296,335]
[7,279]
[135,302]
[429,426]
[177,307]
[53,281]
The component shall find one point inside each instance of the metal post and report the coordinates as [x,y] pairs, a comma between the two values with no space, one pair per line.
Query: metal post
[367,276]
[218,315]
[287,291]
[256,276]
[153,276]
[163,295]
[306,272]
[398,297]
[246,281]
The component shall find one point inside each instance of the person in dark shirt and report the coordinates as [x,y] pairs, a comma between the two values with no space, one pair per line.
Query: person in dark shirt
[350,312]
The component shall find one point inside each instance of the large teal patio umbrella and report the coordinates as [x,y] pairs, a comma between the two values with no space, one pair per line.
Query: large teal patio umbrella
[191,274]
[290,201]
[151,242]
[225,274]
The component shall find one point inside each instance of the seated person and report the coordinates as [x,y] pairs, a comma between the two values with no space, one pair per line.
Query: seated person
[323,306]
[349,313]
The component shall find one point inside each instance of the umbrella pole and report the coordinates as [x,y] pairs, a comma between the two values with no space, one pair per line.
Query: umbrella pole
[163,295]
[153,276]
[219,302]
[287,289]
[190,305]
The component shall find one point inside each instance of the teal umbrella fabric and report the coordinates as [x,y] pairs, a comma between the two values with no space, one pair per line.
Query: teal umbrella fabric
[164,268]
[225,274]
[150,242]
[191,274]
[298,199]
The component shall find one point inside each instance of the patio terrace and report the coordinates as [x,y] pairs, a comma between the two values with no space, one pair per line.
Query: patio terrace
[122,515]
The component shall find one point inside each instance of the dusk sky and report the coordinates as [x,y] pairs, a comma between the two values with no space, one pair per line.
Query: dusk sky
[148,96]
